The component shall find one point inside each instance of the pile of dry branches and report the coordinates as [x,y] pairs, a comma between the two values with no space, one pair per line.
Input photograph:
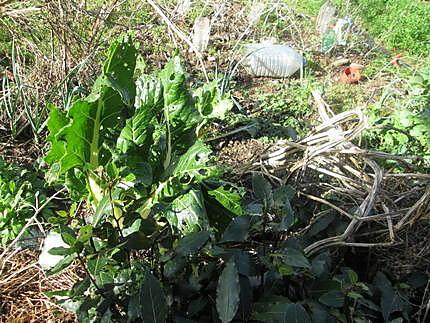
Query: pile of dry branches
[328,164]
[22,287]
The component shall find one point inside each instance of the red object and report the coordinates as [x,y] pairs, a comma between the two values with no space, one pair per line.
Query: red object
[350,75]
[396,60]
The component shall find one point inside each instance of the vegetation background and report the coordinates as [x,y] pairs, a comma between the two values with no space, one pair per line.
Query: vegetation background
[203,197]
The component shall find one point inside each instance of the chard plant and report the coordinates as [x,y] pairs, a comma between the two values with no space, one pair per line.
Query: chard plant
[132,150]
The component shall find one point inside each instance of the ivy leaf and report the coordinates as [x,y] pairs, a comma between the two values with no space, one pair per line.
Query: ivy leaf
[231,200]
[190,244]
[262,189]
[154,305]
[228,290]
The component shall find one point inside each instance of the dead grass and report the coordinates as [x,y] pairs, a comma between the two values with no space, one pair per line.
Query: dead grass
[22,287]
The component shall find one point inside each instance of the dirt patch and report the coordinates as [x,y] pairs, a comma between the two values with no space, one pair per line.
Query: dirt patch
[236,154]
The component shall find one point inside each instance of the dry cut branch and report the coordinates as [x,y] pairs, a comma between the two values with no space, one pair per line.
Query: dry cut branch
[328,157]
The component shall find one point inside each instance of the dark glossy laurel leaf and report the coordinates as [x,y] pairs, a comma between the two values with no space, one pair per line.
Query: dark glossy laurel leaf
[285,312]
[197,305]
[179,319]
[104,208]
[231,200]
[192,243]
[237,230]
[228,291]
[333,298]
[283,194]
[321,265]
[390,299]
[262,189]
[321,224]
[61,265]
[134,310]
[245,305]
[137,241]
[154,305]
[61,251]
[295,258]
[320,313]
[320,287]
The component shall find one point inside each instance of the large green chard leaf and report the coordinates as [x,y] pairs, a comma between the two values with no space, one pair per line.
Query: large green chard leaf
[78,136]
[180,109]
[148,103]
[210,103]
[192,166]
[230,199]
[188,213]
[119,68]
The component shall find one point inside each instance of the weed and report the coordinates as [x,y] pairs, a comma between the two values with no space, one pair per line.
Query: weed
[400,24]
[20,191]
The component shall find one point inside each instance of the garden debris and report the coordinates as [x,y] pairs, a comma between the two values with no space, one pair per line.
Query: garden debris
[201,32]
[52,240]
[342,29]
[255,13]
[183,8]
[341,62]
[22,287]
[328,163]
[272,60]
[325,17]
[350,75]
